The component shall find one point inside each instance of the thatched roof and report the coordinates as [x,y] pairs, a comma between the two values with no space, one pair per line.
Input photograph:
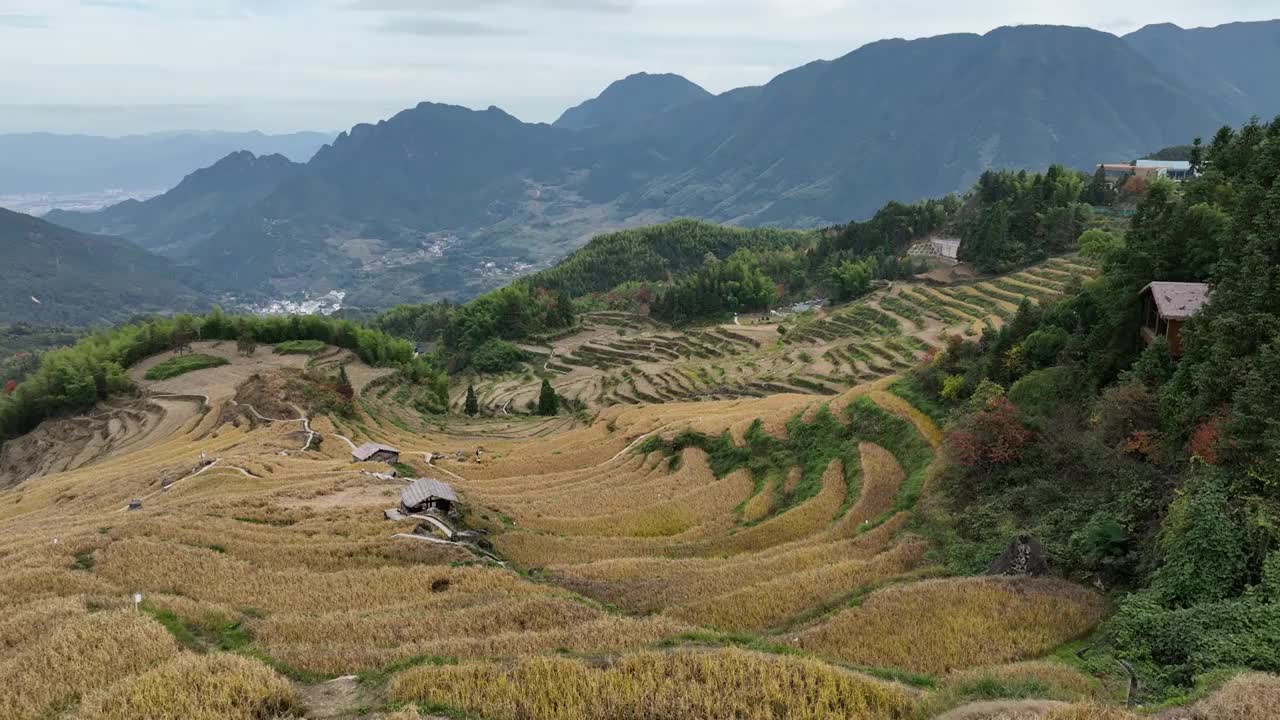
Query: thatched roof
[368,450]
[1178,300]
[424,490]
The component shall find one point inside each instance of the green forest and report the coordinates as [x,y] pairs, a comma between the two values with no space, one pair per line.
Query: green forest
[1154,479]
[73,379]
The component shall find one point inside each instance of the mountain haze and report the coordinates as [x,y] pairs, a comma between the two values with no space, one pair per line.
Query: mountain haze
[50,163]
[1234,64]
[57,276]
[203,202]
[442,201]
[631,101]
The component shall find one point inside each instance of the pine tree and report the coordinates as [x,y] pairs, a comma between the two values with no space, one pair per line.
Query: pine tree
[548,401]
[472,407]
[344,384]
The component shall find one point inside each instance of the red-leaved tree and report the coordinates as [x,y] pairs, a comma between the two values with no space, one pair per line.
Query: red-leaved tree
[994,436]
[1204,439]
[10,386]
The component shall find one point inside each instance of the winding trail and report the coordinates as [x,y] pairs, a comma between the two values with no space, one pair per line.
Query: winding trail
[428,457]
[201,471]
[636,443]
[306,423]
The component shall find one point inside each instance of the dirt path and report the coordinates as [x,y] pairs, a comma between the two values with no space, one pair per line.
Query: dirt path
[306,422]
[1003,710]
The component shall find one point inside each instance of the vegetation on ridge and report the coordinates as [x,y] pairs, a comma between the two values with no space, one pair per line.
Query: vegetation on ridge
[73,379]
[1139,473]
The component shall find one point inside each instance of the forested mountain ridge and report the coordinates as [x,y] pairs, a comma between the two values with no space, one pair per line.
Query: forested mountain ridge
[204,201]
[446,202]
[55,276]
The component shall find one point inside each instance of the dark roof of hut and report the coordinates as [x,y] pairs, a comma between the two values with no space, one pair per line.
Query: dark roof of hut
[368,450]
[424,490]
[1178,300]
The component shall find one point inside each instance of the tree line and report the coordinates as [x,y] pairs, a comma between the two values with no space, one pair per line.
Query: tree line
[1156,478]
[73,379]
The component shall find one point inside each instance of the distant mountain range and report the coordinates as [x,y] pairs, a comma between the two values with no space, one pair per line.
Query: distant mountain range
[48,163]
[205,201]
[443,201]
[54,276]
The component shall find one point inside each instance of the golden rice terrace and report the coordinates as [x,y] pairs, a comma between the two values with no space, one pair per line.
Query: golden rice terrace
[727,530]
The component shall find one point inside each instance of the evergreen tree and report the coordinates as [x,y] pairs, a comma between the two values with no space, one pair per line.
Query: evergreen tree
[548,401]
[472,407]
[344,384]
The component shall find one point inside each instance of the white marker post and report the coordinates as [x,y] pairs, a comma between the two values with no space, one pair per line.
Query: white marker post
[137,600]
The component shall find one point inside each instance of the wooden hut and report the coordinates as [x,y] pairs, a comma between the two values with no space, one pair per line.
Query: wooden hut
[427,494]
[1166,306]
[373,452]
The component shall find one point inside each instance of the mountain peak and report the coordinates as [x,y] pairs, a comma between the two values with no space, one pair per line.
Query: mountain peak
[631,100]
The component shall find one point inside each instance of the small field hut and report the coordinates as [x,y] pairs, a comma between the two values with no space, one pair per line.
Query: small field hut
[373,452]
[1166,306]
[427,494]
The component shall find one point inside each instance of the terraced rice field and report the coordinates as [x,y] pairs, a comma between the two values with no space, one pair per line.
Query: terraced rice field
[616,358]
[738,557]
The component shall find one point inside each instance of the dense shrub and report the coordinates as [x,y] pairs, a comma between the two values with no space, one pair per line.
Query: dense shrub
[495,356]
[183,364]
[1042,391]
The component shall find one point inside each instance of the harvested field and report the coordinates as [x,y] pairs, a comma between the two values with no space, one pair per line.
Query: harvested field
[703,685]
[615,358]
[939,626]
[633,544]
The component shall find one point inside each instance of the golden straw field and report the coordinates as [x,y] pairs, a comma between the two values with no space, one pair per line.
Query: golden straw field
[731,557]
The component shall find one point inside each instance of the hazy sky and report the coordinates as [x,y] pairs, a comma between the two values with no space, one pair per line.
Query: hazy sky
[122,66]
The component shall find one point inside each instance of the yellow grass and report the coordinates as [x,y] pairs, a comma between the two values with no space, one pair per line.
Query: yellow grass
[775,602]
[925,425]
[1090,711]
[298,554]
[196,687]
[702,685]
[807,518]
[20,626]
[610,634]
[85,654]
[1251,696]
[882,475]
[1058,681]
[761,504]
[938,626]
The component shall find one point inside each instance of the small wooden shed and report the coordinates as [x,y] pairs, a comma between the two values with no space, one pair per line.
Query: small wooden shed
[1166,306]
[373,452]
[427,494]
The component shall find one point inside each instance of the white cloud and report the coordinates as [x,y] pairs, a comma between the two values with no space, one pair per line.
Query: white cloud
[327,64]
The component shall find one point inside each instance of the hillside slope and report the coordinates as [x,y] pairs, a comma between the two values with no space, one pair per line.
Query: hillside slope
[203,202]
[1233,64]
[57,276]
